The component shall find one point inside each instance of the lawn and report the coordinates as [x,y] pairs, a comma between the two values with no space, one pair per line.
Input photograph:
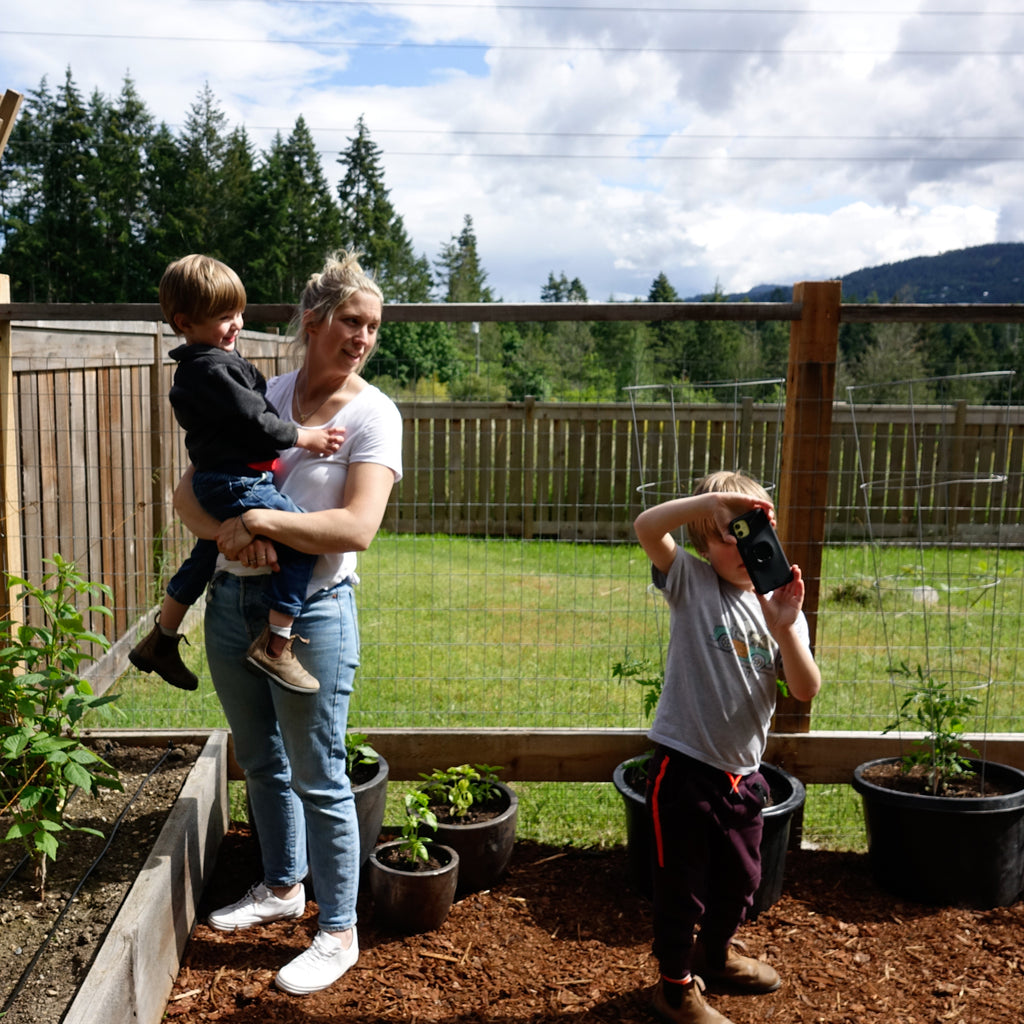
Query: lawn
[487,632]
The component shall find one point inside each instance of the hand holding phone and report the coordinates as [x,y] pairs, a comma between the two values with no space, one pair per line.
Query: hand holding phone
[761,551]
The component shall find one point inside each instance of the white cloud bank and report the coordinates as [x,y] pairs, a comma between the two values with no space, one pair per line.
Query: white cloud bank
[737,146]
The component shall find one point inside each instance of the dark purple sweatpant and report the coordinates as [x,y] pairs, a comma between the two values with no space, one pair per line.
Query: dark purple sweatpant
[706,853]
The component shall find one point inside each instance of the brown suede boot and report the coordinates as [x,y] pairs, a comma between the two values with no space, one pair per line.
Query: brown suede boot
[285,669]
[159,653]
[742,975]
[692,1010]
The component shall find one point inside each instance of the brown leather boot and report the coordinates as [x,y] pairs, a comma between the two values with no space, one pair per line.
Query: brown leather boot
[692,1010]
[285,669]
[742,975]
[159,653]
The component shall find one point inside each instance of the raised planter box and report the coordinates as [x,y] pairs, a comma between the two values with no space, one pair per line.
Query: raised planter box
[132,974]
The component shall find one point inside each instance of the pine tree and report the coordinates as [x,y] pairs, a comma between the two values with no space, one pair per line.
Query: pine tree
[237,241]
[123,147]
[22,200]
[369,223]
[671,338]
[295,216]
[68,224]
[201,200]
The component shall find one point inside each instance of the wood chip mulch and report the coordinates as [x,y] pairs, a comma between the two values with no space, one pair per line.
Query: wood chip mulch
[563,938]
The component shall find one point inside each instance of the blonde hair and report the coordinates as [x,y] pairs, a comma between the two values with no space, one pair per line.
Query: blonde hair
[199,287]
[334,284]
[723,482]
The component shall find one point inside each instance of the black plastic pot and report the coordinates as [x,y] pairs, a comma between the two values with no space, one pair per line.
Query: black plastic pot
[484,847]
[411,902]
[947,851]
[371,797]
[788,796]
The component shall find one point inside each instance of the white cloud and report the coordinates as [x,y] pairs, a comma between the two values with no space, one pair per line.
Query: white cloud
[738,147]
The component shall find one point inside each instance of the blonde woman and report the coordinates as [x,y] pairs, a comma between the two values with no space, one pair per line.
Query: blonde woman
[291,747]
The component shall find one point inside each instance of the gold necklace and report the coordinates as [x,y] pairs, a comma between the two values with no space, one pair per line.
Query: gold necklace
[302,417]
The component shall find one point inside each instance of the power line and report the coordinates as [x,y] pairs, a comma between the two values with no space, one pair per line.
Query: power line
[615,9]
[356,44]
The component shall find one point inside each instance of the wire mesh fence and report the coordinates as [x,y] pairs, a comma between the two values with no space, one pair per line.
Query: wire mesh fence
[506,589]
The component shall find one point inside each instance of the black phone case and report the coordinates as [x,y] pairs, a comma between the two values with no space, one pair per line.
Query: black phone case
[761,551]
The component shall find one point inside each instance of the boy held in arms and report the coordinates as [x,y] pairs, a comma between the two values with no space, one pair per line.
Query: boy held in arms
[233,435]
[705,792]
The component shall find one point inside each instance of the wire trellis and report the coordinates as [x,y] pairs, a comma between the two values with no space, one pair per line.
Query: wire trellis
[934,601]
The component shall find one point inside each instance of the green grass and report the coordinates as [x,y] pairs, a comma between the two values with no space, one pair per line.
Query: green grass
[469,632]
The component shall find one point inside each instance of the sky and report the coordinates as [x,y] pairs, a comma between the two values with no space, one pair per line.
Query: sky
[725,145]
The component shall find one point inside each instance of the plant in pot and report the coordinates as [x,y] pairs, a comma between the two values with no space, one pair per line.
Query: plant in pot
[413,879]
[43,698]
[368,773]
[943,827]
[630,780]
[475,814]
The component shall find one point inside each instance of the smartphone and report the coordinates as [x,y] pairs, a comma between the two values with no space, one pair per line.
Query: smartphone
[761,551]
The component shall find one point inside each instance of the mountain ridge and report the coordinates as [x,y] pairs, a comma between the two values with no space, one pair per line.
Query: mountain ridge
[982,273]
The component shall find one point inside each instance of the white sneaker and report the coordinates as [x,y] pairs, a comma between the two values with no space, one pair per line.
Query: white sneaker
[321,965]
[258,906]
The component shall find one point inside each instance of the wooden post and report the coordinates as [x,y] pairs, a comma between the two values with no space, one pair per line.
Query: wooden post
[8,111]
[10,480]
[160,497]
[806,440]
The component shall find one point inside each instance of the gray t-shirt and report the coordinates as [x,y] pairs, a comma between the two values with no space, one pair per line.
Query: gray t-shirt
[721,671]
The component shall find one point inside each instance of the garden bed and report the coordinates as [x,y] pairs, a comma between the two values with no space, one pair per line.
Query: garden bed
[563,938]
[158,835]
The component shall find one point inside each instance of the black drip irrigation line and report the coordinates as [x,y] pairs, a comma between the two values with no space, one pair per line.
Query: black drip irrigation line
[27,973]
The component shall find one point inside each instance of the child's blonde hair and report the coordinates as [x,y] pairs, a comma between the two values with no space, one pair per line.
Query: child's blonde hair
[199,287]
[725,481]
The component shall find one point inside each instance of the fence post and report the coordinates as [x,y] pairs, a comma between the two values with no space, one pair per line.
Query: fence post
[10,482]
[529,464]
[158,462]
[806,443]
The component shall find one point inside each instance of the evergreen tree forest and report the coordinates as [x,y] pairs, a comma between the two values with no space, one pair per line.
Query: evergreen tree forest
[96,198]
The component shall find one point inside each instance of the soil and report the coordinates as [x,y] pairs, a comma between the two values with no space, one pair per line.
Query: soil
[563,938]
[917,779]
[81,911]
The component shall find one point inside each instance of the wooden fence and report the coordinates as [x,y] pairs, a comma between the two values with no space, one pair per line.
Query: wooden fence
[90,451]
[96,453]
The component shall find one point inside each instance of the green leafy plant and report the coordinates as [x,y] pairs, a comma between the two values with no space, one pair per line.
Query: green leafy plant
[43,699]
[461,787]
[935,709]
[418,816]
[358,752]
[642,672]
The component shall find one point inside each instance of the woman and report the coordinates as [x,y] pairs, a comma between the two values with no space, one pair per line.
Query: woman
[291,746]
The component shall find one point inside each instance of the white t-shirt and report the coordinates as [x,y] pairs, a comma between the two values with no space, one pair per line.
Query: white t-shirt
[373,433]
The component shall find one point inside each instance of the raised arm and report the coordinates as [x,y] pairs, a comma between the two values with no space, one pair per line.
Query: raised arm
[654,526]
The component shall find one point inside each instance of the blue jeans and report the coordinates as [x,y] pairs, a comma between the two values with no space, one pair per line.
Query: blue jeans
[292,746]
[226,494]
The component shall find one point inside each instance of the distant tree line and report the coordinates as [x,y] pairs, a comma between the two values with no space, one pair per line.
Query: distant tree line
[96,198]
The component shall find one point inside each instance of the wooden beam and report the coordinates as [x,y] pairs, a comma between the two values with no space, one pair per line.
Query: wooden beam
[8,112]
[590,755]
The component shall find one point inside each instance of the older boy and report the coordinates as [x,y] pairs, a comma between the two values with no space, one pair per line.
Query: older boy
[705,792]
[233,434]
